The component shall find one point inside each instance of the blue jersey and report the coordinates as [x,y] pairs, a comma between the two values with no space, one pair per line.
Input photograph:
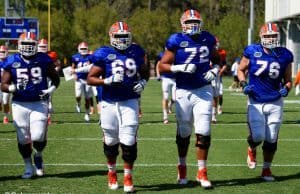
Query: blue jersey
[99,93]
[266,71]
[197,51]
[113,61]
[168,75]
[81,61]
[32,75]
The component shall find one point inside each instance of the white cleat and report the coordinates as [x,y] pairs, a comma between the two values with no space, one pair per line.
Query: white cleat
[78,108]
[181,175]
[128,184]
[87,117]
[266,175]
[202,179]
[28,172]
[251,158]
[112,181]
[182,181]
[39,165]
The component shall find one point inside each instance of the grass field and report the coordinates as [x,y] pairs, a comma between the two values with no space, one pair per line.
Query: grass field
[75,163]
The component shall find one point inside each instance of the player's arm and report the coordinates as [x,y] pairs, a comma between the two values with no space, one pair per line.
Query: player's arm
[242,69]
[145,70]
[287,78]
[53,75]
[6,85]
[93,77]
[157,70]
[166,62]
[58,65]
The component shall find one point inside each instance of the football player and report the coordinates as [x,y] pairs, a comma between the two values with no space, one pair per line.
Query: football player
[168,87]
[124,75]
[4,96]
[188,54]
[269,73]
[217,84]
[25,76]
[81,61]
[43,48]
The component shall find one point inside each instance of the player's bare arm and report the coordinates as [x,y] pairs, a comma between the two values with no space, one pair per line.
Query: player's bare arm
[242,69]
[166,62]
[53,75]
[288,77]
[93,77]
[215,58]
[5,81]
[145,70]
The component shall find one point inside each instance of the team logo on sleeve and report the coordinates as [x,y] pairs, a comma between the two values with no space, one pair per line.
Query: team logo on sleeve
[257,54]
[112,56]
[184,44]
[16,65]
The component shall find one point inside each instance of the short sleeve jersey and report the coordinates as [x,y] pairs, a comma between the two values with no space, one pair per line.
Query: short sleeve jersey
[81,61]
[196,50]
[32,75]
[266,71]
[127,62]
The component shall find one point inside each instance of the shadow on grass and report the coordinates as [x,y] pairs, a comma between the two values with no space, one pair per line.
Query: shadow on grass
[12,131]
[216,183]
[256,180]
[67,175]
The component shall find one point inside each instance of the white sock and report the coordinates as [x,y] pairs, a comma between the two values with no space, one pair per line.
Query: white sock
[127,171]
[111,167]
[201,164]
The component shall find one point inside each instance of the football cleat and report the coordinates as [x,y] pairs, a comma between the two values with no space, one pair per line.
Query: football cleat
[166,121]
[128,184]
[39,166]
[214,120]
[87,117]
[202,178]
[78,108]
[49,121]
[220,110]
[28,172]
[181,176]
[267,175]
[5,120]
[112,180]
[251,158]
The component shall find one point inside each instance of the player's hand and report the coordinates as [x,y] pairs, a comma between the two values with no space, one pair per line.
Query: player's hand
[44,94]
[247,89]
[284,91]
[184,68]
[211,74]
[139,87]
[116,78]
[21,85]
[158,78]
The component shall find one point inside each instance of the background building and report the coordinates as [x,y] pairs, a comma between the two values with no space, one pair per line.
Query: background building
[286,13]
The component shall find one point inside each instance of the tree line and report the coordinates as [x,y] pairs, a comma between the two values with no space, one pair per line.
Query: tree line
[151,22]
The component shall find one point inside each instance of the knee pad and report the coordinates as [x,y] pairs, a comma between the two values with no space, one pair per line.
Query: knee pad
[269,147]
[25,150]
[251,143]
[183,142]
[129,153]
[39,146]
[202,141]
[111,151]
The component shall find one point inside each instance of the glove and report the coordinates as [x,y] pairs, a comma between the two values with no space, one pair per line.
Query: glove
[211,74]
[21,85]
[116,78]
[284,91]
[185,68]
[44,94]
[246,88]
[139,87]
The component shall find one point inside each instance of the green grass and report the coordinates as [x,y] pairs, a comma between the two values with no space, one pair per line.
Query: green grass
[75,162]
